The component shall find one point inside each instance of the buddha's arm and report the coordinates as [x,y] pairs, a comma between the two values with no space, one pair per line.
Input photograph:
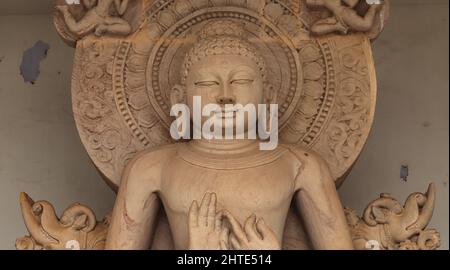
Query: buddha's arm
[135,211]
[319,205]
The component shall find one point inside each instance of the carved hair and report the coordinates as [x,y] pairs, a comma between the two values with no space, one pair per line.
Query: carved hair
[222,37]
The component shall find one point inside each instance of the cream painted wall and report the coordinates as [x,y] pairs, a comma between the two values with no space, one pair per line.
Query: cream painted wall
[40,151]
[411,124]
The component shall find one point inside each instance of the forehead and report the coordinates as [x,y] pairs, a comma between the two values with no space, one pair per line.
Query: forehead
[223,64]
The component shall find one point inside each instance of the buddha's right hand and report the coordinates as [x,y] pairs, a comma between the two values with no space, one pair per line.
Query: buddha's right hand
[205,225]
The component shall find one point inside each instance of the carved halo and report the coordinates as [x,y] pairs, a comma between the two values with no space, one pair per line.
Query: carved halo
[326,86]
[164,66]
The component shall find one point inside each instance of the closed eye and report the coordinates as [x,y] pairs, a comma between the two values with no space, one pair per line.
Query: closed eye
[206,83]
[242,81]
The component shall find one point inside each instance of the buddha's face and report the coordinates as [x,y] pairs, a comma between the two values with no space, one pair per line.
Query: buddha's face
[224,80]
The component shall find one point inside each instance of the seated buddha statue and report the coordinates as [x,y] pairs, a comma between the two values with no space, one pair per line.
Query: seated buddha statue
[226,193]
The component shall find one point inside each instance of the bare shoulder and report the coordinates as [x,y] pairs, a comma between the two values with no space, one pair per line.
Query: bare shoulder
[153,157]
[146,166]
[313,166]
[305,156]
[141,182]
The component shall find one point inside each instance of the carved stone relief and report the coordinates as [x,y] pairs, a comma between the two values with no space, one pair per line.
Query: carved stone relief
[388,225]
[385,225]
[344,16]
[76,229]
[313,57]
[311,93]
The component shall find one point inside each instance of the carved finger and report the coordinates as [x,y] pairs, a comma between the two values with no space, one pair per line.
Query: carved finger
[250,228]
[219,223]
[265,230]
[212,211]
[236,227]
[224,239]
[235,243]
[193,215]
[203,212]
[223,245]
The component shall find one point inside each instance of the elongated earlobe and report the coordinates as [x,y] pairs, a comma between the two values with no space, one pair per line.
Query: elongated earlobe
[270,94]
[177,95]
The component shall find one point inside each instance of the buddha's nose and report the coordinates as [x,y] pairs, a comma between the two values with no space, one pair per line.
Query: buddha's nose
[225,99]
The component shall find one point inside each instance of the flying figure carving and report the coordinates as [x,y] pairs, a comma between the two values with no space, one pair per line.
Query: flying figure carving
[344,16]
[98,18]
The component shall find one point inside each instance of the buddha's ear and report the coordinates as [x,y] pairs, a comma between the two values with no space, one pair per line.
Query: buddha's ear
[270,94]
[177,95]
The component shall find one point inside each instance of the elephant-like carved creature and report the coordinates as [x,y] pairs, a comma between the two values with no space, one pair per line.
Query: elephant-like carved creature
[386,224]
[76,229]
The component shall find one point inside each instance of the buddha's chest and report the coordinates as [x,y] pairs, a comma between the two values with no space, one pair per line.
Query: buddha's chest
[260,189]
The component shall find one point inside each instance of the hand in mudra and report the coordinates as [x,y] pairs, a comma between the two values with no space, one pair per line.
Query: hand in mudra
[205,225]
[255,235]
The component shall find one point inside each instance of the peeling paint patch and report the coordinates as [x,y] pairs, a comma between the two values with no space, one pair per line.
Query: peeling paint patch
[29,68]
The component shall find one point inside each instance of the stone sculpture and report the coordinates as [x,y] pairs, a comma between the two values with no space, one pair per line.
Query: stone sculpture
[344,17]
[386,224]
[98,19]
[76,229]
[222,194]
[224,68]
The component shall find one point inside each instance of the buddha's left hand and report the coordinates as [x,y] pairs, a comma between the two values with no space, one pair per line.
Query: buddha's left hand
[255,235]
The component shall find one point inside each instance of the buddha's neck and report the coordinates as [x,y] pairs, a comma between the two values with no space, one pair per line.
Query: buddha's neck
[225,147]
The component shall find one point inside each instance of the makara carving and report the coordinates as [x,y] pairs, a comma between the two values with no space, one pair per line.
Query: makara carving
[135,59]
[386,224]
[77,229]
